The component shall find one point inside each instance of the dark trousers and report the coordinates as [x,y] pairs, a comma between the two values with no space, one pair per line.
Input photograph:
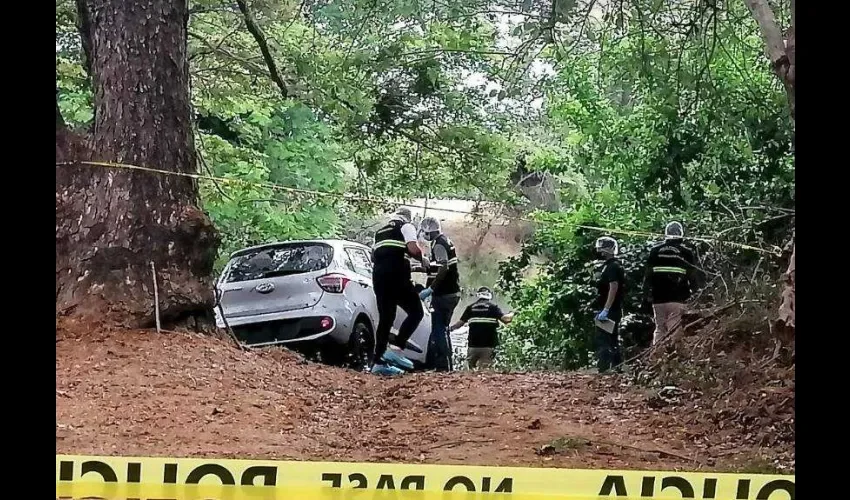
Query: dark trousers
[607,346]
[393,290]
[440,344]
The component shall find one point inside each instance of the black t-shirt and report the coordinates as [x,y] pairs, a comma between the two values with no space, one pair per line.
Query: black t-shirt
[611,272]
[483,320]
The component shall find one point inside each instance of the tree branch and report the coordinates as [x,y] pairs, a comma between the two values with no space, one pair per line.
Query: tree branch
[782,56]
[793,16]
[770,31]
[84,28]
[221,50]
[260,38]
[205,10]
[464,51]
[217,46]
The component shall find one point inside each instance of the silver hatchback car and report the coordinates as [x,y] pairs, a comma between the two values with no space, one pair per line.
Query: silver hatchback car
[314,296]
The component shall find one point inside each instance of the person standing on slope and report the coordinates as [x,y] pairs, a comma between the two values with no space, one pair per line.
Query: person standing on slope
[483,317]
[611,288]
[444,284]
[671,276]
[391,277]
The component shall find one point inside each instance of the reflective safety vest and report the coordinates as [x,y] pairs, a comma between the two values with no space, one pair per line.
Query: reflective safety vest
[670,265]
[389,247]
[483,320]
[450,283]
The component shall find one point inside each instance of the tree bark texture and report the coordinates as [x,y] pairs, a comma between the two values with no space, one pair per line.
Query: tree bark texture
[787,309]
[111,223]
[781,50]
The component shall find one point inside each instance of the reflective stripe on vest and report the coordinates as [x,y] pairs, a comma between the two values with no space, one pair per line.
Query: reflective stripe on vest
[432,273]
[389,243]
[669,269]
[484,320]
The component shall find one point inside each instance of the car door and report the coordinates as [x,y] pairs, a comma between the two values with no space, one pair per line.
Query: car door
[362,262]
[364,296]
[421,335]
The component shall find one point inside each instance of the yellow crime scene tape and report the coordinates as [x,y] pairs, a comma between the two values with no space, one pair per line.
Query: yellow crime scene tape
[140,478]
[378,201]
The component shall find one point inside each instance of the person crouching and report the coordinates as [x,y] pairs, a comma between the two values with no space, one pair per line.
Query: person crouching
[483,317]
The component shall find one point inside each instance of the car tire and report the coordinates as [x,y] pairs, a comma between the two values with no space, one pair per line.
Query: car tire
[361,347]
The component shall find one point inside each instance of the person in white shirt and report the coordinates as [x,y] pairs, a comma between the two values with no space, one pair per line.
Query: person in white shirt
[391,277]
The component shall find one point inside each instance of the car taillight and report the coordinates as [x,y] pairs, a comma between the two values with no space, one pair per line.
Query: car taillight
[333,283]
[326,323]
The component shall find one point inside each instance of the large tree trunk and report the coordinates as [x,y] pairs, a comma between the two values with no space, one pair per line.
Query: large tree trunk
[781,50]
[111,223]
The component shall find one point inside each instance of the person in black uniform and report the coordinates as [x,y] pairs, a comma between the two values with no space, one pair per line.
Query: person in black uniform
[483,317]
[444,284]
[391,277]
[671,276]
[611,289]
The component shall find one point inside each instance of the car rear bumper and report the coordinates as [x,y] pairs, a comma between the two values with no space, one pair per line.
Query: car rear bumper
[303,325]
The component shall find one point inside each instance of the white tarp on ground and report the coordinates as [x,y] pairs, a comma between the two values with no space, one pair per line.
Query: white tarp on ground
[459,338]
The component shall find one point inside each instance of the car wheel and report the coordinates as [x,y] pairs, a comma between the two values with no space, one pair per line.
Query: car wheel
[361,347]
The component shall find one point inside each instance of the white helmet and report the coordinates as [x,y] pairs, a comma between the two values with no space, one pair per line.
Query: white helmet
[484,293]
[428,226]
[674,231]
[607,245]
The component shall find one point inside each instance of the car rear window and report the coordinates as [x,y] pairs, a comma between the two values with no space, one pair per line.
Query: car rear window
[282,260]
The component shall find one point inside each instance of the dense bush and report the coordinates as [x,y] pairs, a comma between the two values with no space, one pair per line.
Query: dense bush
[655,143]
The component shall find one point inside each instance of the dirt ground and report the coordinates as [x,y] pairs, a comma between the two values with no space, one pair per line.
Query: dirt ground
[122,392]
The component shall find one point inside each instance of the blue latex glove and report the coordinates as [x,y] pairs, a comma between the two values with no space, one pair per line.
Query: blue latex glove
[603,315]
[424,294]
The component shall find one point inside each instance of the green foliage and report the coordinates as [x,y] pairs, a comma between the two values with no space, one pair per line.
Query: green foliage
[387,81]
[553,324]
[659,133]
[73,91]
[276,146]
[389,78]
